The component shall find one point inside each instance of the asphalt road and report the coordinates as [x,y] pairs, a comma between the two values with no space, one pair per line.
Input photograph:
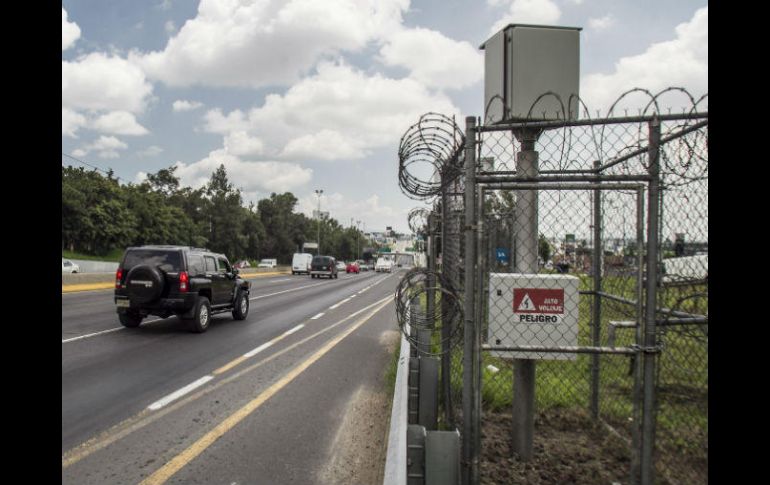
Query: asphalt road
[292,394]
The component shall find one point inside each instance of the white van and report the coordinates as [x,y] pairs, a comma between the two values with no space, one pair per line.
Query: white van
[686,269]
[300,263]
[268,263]
[384,264]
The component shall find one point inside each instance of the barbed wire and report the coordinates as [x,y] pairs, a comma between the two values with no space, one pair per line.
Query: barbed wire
[688,151]
[418,220]
[446,312]
[431,147]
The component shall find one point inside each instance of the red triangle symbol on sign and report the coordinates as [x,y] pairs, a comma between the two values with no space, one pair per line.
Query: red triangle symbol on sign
[526,304]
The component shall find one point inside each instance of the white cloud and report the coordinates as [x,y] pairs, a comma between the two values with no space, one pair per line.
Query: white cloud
[343,208]
[102,82]
[169,27]
[358,111]
[601,23]
[150,151]
[250,176]
[71,122]
[261,43]
[118,123]
[184,105]
[70,32]
[434,59]
[681,62]
[105,146]
[217,122]
[324,145]
[541,12]
[239,143]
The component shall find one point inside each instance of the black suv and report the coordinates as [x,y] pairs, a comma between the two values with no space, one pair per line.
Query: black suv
[192,283]
[323,266]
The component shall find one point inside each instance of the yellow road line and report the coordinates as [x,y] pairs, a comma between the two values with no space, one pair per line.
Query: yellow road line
[111,284]
[229,366]
[169,469]
[87,287]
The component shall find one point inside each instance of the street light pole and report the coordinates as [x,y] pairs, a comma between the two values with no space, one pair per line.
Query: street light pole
[318,192]
[358,237]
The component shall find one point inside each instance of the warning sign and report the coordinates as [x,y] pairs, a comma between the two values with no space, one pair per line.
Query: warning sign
[527,310]
[538,300]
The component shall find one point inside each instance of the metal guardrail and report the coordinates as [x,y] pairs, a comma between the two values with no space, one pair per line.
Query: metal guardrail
[395,462]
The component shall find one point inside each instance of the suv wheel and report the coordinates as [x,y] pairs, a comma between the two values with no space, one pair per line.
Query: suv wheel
[201,315]
[129,320]
[241,308]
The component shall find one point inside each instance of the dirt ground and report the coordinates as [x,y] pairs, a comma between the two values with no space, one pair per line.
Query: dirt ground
[568,449]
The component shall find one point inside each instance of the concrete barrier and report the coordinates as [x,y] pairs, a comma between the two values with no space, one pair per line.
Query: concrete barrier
[95,266]
[101,281]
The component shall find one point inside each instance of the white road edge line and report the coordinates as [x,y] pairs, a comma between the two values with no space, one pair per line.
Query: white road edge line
[259,349]
[285,291]
[181,392]
[338,304]
[104,331]
[295,329]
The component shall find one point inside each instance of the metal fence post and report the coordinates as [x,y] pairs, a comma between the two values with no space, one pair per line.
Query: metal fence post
[525,240]
[446,327]
[636,439]
[597,301]
[470,455]
[648,407]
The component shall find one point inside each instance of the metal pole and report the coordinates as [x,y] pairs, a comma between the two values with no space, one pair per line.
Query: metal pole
[597,307]
[479,319]
[470,455]
[636,439]
[447,327]
[318,239]
[526,238]
[648,407]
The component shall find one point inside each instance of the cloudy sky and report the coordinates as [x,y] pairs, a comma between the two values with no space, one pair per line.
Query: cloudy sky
[298,95]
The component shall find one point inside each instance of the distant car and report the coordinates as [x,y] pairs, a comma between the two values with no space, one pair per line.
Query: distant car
[68,266]
[362,266]
[242,264]
[341,266]
[352,268]
[300,263]
[383,265]
[268,263]
[323,266]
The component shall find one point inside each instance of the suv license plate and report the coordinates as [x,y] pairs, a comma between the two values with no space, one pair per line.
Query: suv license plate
[123,303]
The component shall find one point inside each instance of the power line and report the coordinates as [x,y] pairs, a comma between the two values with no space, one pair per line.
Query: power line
[89,165]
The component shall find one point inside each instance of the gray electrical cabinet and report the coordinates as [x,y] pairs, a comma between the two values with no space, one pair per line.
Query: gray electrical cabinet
[521,63]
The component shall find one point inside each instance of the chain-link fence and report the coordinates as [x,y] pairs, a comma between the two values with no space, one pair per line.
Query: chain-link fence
[578,227]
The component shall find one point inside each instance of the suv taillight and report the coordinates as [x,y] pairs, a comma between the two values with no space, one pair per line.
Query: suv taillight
[118,277]
[183,281]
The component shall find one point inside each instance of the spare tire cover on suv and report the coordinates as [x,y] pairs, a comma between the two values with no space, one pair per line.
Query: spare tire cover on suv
[144,283]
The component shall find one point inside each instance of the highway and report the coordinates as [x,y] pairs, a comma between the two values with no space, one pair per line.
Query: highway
[293,394]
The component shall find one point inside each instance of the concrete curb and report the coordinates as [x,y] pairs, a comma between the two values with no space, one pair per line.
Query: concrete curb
[104,285]
[395,461]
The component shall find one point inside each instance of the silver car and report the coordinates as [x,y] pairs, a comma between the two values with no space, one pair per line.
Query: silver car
[68,266]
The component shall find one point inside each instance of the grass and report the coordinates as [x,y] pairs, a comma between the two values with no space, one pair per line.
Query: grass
[392,370]
[113,256]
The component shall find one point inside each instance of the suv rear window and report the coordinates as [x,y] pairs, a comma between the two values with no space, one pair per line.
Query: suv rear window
[321,260]
[168,261]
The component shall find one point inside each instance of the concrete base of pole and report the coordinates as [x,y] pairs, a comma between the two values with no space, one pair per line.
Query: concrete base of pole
[523,408]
